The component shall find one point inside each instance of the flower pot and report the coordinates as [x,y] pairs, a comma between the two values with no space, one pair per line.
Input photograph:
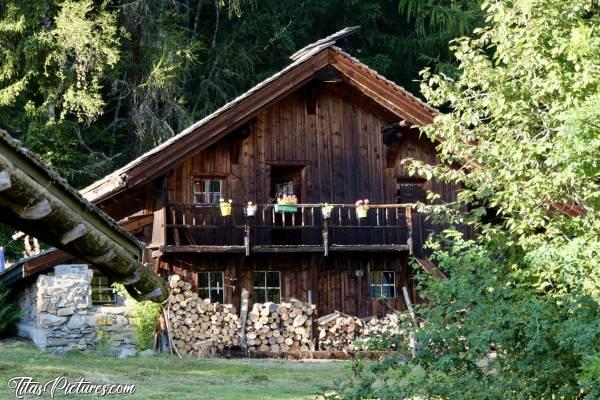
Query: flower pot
[326,212]
[225,211]
[286,208]
[251,211]
[361,212]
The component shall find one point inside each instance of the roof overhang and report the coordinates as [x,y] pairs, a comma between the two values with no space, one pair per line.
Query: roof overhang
[161,159]
[36,200]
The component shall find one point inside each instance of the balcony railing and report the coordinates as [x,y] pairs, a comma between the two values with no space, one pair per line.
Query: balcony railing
[386,225]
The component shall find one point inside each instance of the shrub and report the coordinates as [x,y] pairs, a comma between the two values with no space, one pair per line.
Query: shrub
[144,316]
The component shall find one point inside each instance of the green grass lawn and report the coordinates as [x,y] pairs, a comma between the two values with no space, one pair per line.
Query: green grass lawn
[164,377]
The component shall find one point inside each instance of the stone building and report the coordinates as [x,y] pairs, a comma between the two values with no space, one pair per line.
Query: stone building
[73,307]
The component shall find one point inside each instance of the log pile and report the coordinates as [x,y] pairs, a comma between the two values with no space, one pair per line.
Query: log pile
[342,332]
[337,331]
[274,327]
[388,325]
[197,326]
[382,333]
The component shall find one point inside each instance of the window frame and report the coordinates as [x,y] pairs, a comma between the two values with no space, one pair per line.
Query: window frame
[266,288]
[207,194]
[102,289]
[381,285]
[411,186]
[210,288]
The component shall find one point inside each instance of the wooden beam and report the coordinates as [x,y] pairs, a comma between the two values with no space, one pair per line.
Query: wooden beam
[283,249]
[39,210]
[430,267]
[52,218]
[45,261]
[74,233]
[202,249]
[136,223]
[4,180]
[17,159]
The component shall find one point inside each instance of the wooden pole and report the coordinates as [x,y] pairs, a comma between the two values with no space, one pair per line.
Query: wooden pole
[413,319]
[171,344]
[409,225]
[326,236]
[243,317]
[247,236]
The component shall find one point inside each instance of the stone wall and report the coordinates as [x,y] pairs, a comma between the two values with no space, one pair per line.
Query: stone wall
[60,316]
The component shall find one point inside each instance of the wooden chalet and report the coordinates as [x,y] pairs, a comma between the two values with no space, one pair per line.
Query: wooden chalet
[326,129]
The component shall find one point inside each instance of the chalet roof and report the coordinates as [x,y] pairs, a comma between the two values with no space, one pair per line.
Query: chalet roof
[36,200]
[311,59]
[329,40]
[61,185]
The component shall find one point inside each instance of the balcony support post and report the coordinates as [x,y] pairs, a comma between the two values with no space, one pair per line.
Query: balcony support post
[247,236]
[326,236]
[409,225]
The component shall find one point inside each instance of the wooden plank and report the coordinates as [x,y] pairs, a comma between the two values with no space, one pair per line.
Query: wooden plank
[430,267]
[388,97]
[45,262]
[283,249]
[227,121]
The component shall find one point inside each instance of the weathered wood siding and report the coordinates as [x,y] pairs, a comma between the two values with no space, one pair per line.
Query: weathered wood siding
[332,281]
[339,146]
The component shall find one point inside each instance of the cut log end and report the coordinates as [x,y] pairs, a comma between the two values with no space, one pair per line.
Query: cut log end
[37,211]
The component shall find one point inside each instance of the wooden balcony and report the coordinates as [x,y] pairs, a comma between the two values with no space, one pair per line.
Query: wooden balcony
[198,228]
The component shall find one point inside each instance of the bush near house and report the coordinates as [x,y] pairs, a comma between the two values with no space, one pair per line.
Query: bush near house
[144,317]
[519,317]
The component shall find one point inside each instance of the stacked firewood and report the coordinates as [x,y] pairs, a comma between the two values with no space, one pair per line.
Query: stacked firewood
[388,325]
[382,333]
[198,326]
[337,331]
[342,332]
[280,327]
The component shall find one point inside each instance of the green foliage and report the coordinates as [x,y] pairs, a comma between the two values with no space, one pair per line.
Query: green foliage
[436,22]
[590,376]
[9,313]
[144,316]
[55,57]
[519,317]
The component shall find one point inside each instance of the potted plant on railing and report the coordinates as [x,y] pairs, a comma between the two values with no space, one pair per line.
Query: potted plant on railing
[225,207]
[362,206]
[326,210]
[250,209]
[287,203]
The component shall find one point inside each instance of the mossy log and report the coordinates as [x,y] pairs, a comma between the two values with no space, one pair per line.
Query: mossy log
[28,206]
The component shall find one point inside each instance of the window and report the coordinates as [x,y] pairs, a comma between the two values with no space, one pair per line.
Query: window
[410,190]
[207,191]
[210,286]
[267,286]
[285,188]
[382,285]
[102,290]
[286,179]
